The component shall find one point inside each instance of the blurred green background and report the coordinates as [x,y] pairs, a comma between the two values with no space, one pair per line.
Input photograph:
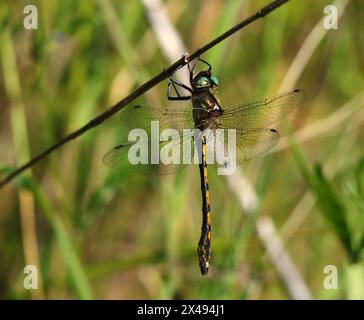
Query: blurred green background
[96,233]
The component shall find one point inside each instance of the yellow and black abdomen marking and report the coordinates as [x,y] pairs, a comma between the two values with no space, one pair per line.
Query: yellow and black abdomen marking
[204,244]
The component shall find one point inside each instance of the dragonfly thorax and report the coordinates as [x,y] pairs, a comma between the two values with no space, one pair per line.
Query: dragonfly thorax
[206,110]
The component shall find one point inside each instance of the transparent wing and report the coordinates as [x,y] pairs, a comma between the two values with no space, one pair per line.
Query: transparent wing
[142,116]
[154,122]
[254,143]
[247,145]
[261,113]
[168,156]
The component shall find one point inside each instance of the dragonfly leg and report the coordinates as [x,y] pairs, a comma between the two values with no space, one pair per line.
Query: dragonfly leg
[205,62]
[175,83]
[191,69]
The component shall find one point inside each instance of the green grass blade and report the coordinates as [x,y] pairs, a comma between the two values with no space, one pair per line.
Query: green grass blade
[69,253]
[330,203]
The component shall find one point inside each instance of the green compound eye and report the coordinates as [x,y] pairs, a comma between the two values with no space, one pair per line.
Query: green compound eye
[203,82]
[215,81]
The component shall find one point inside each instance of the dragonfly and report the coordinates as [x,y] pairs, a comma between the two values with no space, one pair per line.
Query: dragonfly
[200,126]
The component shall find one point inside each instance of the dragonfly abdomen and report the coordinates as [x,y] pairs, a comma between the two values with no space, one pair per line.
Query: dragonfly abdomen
[204,245]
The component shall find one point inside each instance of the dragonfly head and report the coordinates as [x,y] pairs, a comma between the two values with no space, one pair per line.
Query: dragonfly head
[204,80]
